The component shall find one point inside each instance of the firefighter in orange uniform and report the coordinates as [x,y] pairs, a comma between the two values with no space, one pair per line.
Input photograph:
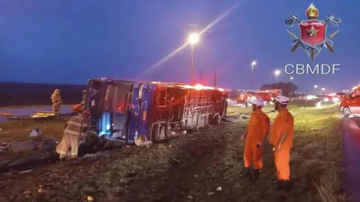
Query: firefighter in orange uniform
[254,137]
[281,137]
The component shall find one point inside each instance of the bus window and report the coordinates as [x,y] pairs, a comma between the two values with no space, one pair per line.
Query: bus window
[117,97]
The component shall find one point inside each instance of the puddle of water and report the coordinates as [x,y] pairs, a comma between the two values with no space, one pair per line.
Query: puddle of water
[30,110]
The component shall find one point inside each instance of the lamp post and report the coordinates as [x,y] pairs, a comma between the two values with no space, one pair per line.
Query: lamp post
[315,87]
[193,39]
[277,72]
[253,63]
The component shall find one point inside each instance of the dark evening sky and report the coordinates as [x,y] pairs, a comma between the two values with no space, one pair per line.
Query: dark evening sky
[71,41]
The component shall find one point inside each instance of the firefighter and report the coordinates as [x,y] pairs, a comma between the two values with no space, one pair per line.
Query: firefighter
[254,136]
[56,101]
[281,137]
[75,130]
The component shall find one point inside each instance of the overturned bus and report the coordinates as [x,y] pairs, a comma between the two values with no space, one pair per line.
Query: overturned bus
[125,110]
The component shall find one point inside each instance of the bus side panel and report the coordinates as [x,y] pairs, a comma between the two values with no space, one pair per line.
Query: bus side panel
[145,111]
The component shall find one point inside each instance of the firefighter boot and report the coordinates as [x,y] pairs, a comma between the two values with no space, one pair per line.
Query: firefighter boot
[256,174]
[286,185]
[279,185]
[246,173]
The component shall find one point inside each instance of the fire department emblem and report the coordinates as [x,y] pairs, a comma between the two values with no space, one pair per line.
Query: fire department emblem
[313,32]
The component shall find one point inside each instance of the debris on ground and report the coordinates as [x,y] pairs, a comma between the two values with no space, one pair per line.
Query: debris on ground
[35,132]
[211,193]
[232,118]
[219,189]
[27,192]
[25,171]
[33,144]
[40,189]
[177,161]
[90,198]
[140,140]
[190,197]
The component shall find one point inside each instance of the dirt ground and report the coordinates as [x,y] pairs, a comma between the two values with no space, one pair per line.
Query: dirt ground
[188,168]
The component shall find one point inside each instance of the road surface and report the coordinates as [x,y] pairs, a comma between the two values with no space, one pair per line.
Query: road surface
[351,180]
[28,110]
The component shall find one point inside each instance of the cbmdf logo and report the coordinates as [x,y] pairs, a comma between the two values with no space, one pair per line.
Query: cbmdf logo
[312,35]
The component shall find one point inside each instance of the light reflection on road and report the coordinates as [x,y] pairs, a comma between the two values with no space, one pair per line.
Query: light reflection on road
[30,110]
[351,179]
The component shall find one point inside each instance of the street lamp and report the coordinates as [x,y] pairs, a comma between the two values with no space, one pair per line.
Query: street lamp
[323,89]
[193,39]
[253,63]
[315,86]
[277,72]
[291,78]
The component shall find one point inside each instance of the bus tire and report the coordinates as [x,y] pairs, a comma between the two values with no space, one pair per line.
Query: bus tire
[159,133]
[216,119]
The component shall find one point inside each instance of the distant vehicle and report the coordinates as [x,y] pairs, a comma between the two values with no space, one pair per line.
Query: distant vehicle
[265,95]
[351,103]
[331,98]
[126,110]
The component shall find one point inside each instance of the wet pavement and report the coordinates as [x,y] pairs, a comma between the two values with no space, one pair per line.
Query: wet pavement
[351,179]
[30,110]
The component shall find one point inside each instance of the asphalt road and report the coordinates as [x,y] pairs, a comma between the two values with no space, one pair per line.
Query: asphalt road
[351,179]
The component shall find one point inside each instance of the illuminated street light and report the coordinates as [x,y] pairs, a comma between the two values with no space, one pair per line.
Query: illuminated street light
[315,86]
[253,63]
[291,78]
[193,39]
[277,72]
[323,89]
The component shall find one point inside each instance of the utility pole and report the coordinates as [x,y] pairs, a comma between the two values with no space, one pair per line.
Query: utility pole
[192,65]
[215,79]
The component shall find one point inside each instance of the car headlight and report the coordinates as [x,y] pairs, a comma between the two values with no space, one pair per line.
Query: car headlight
[326,99]
[311,97]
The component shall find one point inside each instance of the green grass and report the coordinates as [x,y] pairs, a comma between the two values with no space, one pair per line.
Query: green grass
[213,155]
[317,153]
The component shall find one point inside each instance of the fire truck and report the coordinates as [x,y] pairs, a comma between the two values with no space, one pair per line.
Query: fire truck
[126,110]
[351,103]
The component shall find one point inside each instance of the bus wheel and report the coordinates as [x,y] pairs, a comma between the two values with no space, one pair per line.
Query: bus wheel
[216,119]
[346,111]
[159,132]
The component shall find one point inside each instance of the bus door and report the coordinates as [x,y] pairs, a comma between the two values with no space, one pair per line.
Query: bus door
[146,94]
[115,110]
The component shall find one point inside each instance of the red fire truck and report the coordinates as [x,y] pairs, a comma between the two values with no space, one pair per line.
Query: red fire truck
[351,103]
